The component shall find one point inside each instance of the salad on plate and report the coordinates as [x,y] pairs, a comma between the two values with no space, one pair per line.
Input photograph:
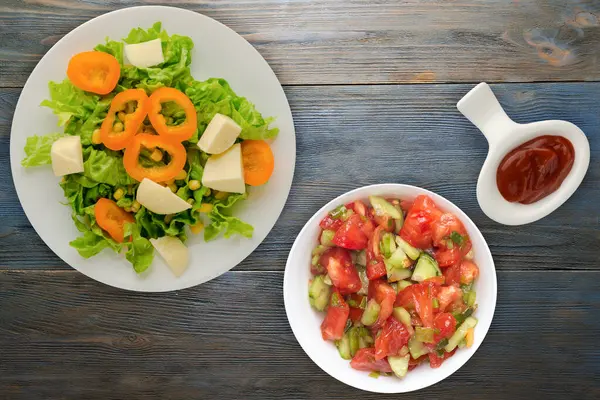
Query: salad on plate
[148,153]
[395,280]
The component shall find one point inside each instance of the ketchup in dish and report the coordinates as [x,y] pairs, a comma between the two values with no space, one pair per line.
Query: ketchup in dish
[535,169]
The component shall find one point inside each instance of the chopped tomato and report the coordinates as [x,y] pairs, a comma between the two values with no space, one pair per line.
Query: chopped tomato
[447,295]
[356,314]
[468,272]
[445,325]
[343,273]
[443,228]
[358,207]
[364,360]
[412,363]
[419,297]
[384,221]
[375,269]
[417,228]
[406,205]
[384,295]
[446,257]
[392,337]
[350,235]
[334,323]
[452,275]
[368,227]
[435,361]
[436,280]
[331,223]
[373,245]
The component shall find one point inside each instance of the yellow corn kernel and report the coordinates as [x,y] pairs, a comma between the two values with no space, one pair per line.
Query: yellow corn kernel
[221,195]
[96,137]
[181,175]
[121,116]
[118,127]
[156,155]
[169,121]
[196,229]
[118,194]
[168,218]
[135,206]
[194,184]
[128,209]
[190,201]
[470,337]
[205,208]
[173,187]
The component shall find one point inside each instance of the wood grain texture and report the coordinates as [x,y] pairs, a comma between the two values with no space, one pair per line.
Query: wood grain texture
[350,136]
[352,42]
[63,336]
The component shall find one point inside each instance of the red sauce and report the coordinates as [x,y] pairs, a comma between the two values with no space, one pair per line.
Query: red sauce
[535,169]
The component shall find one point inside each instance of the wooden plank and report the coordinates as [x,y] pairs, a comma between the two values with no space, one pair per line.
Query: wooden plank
[65,336]
[389,129]
[352,42]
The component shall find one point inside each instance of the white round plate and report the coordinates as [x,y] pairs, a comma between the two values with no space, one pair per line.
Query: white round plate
[306,322]
[218,52]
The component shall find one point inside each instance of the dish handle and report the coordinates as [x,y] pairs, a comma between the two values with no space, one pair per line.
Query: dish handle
[482,108]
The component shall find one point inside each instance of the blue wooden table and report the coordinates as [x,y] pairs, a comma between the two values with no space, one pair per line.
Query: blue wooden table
[373,87]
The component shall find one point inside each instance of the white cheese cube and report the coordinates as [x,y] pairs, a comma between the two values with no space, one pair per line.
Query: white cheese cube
[219,135]
[174,252]
[160,199]
[144,55]
[225,171]
[67,156]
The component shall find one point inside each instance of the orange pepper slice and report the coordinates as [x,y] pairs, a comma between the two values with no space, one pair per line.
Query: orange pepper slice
[180,132]
[119,140]
[94,71]
[112,218]
[258,161]
[156,173]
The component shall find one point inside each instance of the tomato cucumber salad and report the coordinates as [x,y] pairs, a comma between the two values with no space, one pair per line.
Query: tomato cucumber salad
[395,280]
[147,151]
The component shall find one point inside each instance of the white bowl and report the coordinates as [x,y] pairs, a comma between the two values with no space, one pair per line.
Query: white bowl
[482,108]
[306,322]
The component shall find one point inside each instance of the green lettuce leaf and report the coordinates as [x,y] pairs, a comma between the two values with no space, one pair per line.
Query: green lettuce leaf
[106,166]
[140,251]
[93,239]
[67,101]
[216,96]
[113,48]
[222,221]
[37,149]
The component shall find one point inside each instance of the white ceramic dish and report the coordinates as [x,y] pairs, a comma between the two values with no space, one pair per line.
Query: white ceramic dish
[482,108]
[218,52]
[306,322]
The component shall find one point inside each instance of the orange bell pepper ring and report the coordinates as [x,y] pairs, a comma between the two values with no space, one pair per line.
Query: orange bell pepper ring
[116,135]
[258,162]
[180,132]
[94,71]
[158,173]
[112,218]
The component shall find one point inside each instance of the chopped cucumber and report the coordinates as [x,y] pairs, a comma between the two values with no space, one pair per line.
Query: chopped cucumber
[396,274]
[371,313]
[399,365]
[426,268]
[319,250]
[403,285]
[424,335]
[364,337]
[399,259]
[361,258]
[383,207]
[338,212]
[470,297]
[461,317]
[318,293]
[327,237]
[362,274]
[343,346]
[398,222]
[403,316]
[327,280]
[410,251]
[387,245]
[353,335]
[416,348]
[460,333]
